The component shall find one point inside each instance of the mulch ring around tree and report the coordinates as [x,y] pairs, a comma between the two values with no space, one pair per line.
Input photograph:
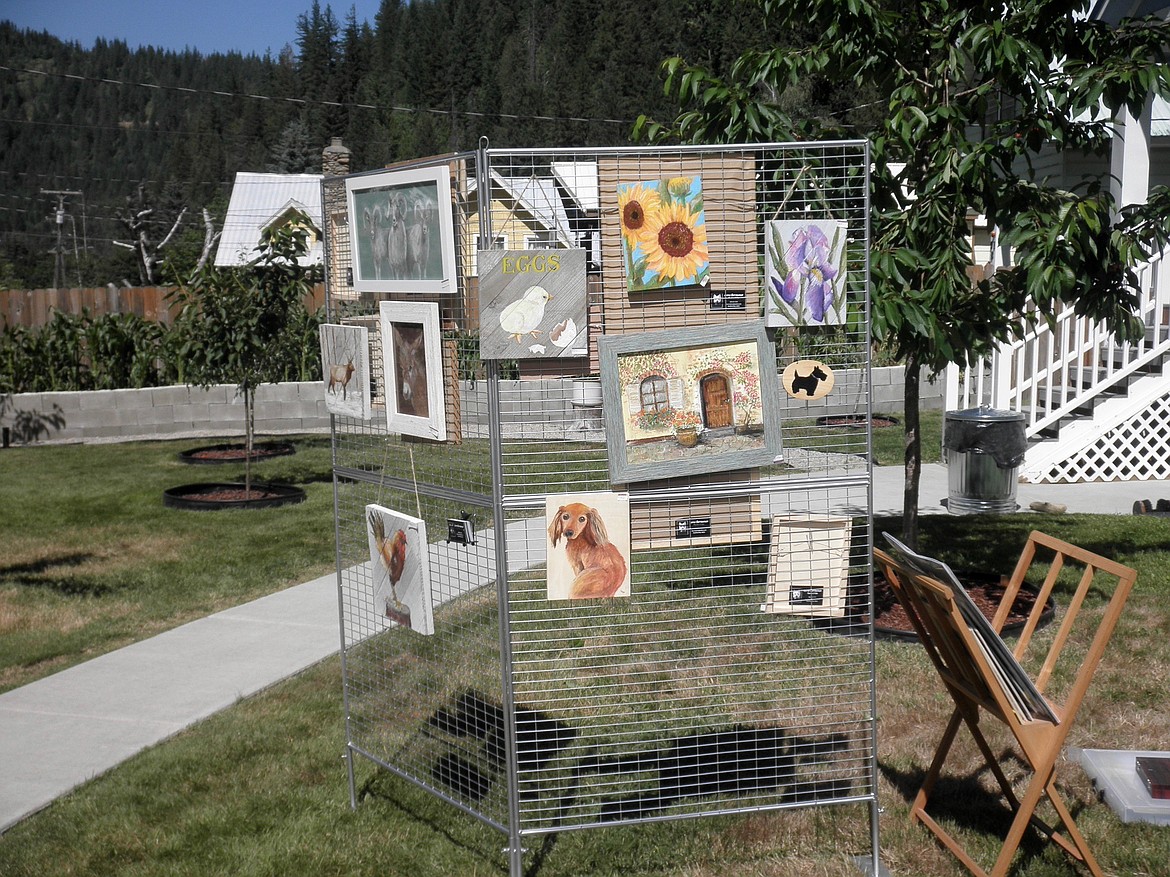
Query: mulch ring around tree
[985,590]
[215,496]
[235,453]
[877,421]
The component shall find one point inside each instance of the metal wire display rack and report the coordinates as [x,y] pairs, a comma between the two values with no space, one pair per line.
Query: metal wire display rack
[734,670]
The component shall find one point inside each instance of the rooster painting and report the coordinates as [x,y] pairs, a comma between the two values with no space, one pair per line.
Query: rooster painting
[398,557]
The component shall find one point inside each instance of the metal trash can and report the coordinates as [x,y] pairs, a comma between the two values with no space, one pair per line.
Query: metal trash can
[983,449]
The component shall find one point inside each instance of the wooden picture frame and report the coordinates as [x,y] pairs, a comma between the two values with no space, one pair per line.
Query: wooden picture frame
[720,381]
[412,363]
[401,229]
[808,565]
[345,370]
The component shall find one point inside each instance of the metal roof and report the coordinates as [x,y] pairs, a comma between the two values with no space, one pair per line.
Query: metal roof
[257,200]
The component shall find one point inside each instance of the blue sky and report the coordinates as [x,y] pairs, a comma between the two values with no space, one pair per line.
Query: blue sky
[248,26]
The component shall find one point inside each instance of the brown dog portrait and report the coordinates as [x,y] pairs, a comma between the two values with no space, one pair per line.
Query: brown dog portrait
[598,566]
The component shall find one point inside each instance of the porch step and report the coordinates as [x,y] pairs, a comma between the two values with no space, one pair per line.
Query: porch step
[1125,437]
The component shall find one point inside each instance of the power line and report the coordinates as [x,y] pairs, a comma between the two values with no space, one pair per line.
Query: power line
[125,129]
[300,101]
[134,180]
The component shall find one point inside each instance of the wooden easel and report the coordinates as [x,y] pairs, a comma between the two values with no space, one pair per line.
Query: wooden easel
[983,678]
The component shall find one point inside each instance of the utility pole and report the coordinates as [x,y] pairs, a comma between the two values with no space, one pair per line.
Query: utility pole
[59,265]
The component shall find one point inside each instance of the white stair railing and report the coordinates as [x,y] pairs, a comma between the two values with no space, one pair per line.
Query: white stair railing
[1054,370]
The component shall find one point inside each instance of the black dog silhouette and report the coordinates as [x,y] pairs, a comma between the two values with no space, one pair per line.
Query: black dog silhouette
[808,383]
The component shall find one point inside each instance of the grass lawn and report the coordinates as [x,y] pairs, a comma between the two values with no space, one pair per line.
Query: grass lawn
[260,789]
[93,560]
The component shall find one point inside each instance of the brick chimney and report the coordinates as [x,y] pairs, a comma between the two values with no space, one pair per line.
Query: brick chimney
[334,163]
[335,159]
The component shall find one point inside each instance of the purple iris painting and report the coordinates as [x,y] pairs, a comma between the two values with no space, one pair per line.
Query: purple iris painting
[805,273]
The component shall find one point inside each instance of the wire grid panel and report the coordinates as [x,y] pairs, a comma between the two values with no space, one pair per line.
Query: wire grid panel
[694,695]
[737,674]
[425,706]
[573,198]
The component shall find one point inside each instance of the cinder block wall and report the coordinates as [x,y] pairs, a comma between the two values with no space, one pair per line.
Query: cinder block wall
[177,412]
[160,412]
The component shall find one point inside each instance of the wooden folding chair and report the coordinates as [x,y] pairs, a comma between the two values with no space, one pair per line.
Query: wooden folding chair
[978,680]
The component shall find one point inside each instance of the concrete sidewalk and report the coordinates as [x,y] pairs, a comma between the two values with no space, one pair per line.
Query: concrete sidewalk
[61,731]
[67,728]
[1098,497]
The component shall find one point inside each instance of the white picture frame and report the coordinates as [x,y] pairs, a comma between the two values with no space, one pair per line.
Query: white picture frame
[401,229]
[345,370]
[412,365]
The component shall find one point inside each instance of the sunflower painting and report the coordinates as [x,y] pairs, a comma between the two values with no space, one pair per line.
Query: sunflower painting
[664,233]
[805,283]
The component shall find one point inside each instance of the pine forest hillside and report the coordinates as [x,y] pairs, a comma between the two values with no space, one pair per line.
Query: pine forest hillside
[129,130]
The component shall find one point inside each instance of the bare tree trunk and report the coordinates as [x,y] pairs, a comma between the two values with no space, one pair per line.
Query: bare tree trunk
[913,449]
[210,236]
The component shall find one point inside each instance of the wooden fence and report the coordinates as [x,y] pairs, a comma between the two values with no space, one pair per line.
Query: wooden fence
[33,308]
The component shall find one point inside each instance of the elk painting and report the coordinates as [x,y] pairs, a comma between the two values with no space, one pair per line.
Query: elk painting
[345,370]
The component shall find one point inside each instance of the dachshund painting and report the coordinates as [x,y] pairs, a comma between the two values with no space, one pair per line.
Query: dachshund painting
[598,566]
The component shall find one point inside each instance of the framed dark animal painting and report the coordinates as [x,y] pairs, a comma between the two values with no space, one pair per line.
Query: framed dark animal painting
[413,368]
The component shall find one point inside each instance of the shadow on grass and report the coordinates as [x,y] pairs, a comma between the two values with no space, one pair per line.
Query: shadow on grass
[970,806]
[45,572]
[432,813]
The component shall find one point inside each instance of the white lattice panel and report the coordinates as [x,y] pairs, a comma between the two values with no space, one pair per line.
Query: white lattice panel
[1137,450]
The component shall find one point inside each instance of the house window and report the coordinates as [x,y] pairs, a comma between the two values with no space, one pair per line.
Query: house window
[653,393]
[540,240]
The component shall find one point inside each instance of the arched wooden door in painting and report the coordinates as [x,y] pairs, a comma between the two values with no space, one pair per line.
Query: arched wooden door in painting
[715,393]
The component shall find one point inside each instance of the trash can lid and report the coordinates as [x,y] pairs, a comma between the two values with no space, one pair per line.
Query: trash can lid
[985,413]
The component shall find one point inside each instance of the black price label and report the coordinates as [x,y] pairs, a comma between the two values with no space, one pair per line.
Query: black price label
[459,530]
[728,300]
[692,528]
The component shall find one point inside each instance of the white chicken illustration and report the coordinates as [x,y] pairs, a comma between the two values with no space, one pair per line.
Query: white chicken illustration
[522,316]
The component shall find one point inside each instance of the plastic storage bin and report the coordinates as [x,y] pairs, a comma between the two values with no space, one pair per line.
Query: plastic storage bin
[1114,775]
